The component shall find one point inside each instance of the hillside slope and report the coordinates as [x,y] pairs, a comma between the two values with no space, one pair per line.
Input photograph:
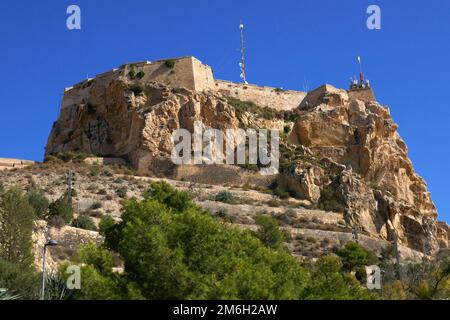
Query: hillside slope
[312,232]
[340,150]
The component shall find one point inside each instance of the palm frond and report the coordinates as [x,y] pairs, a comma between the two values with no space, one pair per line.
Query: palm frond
[6,295]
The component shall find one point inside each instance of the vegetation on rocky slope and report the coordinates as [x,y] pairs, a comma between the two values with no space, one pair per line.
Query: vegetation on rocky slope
[174,250]
[167,247]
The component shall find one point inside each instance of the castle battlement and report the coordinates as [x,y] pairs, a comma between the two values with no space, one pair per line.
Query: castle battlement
[190,73]
[362,93]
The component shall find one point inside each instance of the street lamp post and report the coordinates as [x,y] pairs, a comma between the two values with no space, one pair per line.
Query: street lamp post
[50,243]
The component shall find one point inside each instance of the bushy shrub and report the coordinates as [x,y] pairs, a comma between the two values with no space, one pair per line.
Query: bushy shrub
[94,170]
[311,239]
[132,74]
[170,63]
[166,194]
[140,75]
[329,282]
[269,232]
[61,208]
[354,257]
[106,223]
[56,287]
[225,196]
[21,281]
[39,202]
[222,213]
[84,222]
[329,202]
[242,107]
[288,216]
[96,205]
[274,203]
[68,156]
[137,89]
[122,192]
[281,193]
[108,173]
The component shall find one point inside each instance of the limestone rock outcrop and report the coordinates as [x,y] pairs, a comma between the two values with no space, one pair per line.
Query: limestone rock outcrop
[340,152]
[116,121]
[376,186]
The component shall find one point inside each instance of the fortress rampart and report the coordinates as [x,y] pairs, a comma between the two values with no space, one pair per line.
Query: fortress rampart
[190,73]
[263,96]
[187,72]
[9,164]
[365,94]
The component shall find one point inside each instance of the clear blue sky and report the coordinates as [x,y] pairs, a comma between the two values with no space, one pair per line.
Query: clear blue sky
[290,44]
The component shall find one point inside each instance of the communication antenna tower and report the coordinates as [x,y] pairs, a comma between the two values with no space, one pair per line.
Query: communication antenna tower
[355,234]
[242,63]
[361,73]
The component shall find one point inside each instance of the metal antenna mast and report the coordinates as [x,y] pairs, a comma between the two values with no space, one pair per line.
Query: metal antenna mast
[70,184]
[396,252]
[242,63]
[361,74]
[355,234]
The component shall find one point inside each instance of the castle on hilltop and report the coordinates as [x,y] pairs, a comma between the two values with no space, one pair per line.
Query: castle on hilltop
[192,74]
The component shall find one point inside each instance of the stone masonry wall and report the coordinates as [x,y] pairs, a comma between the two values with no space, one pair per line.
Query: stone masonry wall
[365,94]
[262,96]
[188,72]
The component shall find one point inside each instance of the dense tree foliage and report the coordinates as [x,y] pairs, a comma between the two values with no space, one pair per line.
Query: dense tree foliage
[355,258]
[20,280]
[16,227]
[173,250]
[330,282]
[429,280]
[106,223]
[269,232]
[61,208]
[85,222]
[39,202]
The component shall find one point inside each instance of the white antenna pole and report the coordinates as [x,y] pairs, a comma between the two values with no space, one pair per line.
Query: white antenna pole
[242,63]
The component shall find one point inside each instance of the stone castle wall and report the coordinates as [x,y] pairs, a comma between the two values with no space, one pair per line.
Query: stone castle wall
[364,94]
[262,96]
[190,73]
[187,72]
[8,164]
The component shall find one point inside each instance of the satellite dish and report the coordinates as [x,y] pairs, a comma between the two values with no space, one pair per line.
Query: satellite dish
[240,64]
[241,26]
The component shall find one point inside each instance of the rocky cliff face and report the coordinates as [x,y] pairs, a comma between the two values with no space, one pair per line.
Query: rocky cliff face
[364,168]
[342,154]
[136,121]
